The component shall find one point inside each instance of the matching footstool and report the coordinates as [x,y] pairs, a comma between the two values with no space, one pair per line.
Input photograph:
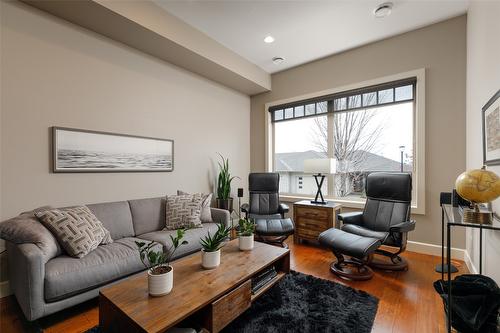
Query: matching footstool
[274,231]
[357,247]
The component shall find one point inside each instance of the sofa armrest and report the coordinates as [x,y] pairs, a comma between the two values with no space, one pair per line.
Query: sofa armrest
[26,229]
[26,277]
[405,226]
[351,218]
[221,216]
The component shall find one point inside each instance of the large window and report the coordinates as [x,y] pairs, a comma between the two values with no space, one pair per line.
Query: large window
[364,130]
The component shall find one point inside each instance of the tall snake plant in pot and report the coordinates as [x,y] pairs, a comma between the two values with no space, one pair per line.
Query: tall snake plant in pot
[224,200]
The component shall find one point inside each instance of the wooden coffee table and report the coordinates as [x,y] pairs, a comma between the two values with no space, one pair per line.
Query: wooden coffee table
[209,298]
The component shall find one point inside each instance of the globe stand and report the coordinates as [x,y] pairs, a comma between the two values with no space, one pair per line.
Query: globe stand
[477,216]
[444,268]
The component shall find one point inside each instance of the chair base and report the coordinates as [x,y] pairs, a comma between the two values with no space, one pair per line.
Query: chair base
[351,270]
[273,240]
[393,263]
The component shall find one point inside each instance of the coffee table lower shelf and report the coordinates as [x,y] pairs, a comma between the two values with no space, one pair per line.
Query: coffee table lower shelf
[268,285]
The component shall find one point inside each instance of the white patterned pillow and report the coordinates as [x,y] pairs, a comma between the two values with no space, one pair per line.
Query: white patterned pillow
[206,212]
[77,229]
[183,211]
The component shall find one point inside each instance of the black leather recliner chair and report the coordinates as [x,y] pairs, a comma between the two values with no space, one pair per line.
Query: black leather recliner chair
[385,220]
[265,208]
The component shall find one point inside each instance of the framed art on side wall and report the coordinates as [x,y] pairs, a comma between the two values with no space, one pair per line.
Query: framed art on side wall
[491,131]
[77,150]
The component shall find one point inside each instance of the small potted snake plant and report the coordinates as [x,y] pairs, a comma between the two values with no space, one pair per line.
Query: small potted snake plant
[211,245]
[246,229]
[160,272]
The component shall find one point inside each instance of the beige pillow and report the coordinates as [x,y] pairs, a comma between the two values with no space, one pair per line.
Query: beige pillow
[77,229]
[183,211]
[206,212]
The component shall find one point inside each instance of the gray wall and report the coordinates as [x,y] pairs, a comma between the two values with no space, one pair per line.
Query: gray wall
[441,49]
[55,73]
[483,80]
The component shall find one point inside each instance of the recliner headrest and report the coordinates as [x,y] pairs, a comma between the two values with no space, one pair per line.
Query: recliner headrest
[389,186]
[264,182]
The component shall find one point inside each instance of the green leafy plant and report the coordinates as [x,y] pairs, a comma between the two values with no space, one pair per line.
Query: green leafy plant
[246,227]
[213,243]
[158,262]
[224,180]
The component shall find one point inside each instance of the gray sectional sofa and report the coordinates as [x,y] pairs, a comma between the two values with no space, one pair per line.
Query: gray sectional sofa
[45,280]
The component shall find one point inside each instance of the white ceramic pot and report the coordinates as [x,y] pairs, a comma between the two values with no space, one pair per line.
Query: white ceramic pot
[246,242]
[160,284]
[210,260]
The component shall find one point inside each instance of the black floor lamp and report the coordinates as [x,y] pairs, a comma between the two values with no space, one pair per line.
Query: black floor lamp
[445,198]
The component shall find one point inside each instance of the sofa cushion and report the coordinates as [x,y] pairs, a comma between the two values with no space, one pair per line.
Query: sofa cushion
[76,229]
[67,276]
[148,214]
[192,236]
[183,211]
[116,217]
[206,214]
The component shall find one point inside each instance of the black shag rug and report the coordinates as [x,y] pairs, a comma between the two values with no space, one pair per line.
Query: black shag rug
[306,304]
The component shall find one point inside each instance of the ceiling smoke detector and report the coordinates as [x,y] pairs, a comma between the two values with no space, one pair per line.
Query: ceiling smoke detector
[269,39]
[383,10]
[278,60]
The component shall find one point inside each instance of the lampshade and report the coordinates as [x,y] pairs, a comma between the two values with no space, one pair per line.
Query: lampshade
[320,165]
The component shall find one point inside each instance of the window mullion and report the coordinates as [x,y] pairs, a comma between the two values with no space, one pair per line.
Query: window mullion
[330,129]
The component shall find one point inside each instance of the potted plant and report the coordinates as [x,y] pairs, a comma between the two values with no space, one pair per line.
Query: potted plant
[160,272]
[211,245]
[246,228]
[224,200]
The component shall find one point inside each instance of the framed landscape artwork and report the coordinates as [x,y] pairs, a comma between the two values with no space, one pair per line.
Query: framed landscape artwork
[77,150]
[491,131]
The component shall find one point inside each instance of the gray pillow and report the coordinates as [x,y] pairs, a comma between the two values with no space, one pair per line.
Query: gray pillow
[77,229]
[206,212]
[183,211]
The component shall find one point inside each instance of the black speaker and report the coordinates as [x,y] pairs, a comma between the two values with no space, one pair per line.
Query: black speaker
[240,193]
[457,200]
[445,198]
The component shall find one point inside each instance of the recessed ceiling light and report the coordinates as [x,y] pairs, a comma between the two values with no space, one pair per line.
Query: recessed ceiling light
[269,39]
[278,60]
[383,10]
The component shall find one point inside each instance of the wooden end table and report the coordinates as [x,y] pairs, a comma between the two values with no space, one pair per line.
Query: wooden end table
[312,219]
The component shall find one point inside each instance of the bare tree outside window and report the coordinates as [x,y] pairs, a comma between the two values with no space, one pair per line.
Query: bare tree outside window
[353,137]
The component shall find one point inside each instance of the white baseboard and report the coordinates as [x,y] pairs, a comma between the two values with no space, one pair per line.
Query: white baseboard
[5,289]
[435,250]
[470,265]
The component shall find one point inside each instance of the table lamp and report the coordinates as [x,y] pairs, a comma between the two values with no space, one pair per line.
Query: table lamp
[319,167]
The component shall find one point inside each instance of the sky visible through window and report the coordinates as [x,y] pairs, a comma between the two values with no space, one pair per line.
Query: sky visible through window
[394,121]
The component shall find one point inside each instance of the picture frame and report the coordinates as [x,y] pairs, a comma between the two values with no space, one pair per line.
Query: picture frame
[87,151]
[491,130]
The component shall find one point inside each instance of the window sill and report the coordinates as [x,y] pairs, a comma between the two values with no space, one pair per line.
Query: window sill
[356,204]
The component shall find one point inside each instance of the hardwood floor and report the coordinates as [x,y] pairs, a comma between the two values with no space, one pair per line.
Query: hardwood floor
[408,302]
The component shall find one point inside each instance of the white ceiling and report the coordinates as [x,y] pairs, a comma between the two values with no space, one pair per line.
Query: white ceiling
[305,30]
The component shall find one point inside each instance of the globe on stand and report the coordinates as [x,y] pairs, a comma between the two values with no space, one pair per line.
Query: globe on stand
[478,186]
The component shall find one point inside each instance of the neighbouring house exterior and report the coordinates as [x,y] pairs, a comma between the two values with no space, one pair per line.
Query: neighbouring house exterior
[348,181]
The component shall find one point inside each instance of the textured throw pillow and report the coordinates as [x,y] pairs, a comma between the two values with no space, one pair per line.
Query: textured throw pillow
[77,229]
[183,211]
[206,213]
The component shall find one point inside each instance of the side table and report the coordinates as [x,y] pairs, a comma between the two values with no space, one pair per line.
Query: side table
[312,219]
